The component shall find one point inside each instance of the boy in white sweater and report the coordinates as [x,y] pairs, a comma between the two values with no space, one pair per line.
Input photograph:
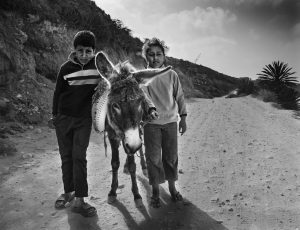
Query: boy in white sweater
[160,135]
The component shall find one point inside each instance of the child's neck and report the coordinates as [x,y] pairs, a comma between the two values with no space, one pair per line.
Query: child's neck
[162,66]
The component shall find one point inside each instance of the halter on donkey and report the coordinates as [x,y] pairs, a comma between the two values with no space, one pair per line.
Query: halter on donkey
[119,106]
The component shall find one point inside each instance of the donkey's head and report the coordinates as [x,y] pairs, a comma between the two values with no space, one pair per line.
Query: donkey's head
[126,101]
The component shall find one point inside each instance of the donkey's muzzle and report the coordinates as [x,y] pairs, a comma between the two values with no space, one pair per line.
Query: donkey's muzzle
[132,140]
[132,149]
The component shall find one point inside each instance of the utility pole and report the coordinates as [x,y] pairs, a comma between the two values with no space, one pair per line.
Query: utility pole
[197,58]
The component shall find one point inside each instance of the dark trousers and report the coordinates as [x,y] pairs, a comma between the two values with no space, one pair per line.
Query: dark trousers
[73,135]
[161,152]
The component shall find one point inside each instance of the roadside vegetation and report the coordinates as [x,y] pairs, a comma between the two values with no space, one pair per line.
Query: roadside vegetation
[279,79]
[276,83]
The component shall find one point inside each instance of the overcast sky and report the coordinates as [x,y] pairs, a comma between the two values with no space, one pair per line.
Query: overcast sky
[234,37]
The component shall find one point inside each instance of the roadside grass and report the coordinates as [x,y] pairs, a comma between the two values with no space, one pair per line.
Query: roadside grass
[288,101]
[265,95]
[286,98]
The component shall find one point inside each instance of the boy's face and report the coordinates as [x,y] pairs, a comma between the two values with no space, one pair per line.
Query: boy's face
[155,57]
[84,54]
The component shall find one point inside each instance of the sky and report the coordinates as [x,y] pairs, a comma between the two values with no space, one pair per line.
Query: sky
[233,37]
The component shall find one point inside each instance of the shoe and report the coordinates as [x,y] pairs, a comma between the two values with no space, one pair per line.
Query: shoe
[155,202]
[63,199]
[176,196]
[85,210]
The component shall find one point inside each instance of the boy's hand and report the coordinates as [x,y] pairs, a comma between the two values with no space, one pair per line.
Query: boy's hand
[153,115]
[182,125]
[51,123]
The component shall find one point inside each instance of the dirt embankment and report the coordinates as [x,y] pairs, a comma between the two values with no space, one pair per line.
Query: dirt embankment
[239,168]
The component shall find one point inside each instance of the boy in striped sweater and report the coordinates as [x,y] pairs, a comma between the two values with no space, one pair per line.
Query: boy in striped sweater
[72,103]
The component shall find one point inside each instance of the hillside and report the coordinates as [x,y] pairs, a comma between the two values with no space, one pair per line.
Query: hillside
[36,38]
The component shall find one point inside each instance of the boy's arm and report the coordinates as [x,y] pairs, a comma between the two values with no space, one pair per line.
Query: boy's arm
[150,108]
[58,89]
[179,96]
[148,101]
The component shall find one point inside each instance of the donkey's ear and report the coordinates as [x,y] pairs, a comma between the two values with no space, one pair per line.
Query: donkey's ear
[129,66]
[147,75]
[103,64]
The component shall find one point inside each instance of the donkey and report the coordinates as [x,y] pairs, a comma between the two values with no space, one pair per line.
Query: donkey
[123,106]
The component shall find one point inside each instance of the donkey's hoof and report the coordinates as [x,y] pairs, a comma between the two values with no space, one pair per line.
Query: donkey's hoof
[138,203]
[138,200]
[125,170]
[137,196]
[145,172]
[111,199]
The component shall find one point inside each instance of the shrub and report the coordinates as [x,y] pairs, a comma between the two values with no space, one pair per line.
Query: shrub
[266,95]
[20,6]
[288,98]
[277,75]
[245,86]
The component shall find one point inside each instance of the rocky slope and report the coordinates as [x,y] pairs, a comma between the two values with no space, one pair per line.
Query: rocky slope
[36,38]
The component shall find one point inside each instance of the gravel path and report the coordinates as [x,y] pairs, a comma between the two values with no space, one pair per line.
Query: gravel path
[239,166]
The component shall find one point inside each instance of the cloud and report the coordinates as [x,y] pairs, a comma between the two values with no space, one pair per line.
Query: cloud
[254,34]
[122,7]
[296,30]
[187,32]
[146,16]
[188,25]
[214,52]
[227,40]
[207,21]
[274,3]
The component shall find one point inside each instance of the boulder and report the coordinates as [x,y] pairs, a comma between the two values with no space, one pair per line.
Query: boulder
[4,106]
[7,147]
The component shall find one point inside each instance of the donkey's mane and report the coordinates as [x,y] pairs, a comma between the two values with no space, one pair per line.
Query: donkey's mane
[123,86]
[122,71]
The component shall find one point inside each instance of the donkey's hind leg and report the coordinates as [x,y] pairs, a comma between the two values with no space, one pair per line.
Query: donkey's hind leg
[132,171]
[115,164]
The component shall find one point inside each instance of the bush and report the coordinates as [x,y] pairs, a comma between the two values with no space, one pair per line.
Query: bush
[20,6]
[245,86]
[266,95]
[287,94]
[288,98]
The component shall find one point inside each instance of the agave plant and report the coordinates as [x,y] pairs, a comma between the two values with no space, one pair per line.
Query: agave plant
[277,75]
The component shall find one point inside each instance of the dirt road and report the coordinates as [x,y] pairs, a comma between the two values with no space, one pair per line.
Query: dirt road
[239,165]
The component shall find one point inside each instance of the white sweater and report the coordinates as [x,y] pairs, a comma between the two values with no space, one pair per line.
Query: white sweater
[166,93]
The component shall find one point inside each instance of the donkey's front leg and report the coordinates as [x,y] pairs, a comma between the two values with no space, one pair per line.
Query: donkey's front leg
[132,171]
[115,163]
[143,162]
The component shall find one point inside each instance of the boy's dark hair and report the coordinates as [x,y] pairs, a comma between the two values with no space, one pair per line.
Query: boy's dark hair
[84,38]
[154,42]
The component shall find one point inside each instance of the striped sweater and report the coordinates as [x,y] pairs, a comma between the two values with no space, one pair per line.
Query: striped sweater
[75,86]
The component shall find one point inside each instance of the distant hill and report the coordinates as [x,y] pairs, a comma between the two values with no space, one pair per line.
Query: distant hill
[201,81]
[36,38]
